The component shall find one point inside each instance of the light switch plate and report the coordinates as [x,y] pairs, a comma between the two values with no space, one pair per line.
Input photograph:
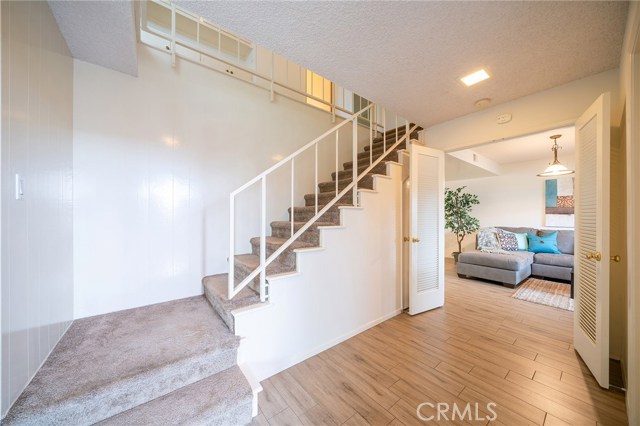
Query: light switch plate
[19,187]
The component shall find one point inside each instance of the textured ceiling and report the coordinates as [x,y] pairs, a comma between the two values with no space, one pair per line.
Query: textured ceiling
[409,56]
[99,32]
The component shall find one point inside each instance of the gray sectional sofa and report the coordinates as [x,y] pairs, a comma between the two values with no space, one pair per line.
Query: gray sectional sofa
[512,269]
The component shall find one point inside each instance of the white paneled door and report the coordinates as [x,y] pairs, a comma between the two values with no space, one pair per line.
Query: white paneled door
[591,319]
[426,252]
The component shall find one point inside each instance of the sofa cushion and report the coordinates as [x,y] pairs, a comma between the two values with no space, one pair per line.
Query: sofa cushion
[547,243]
[514,261]
[517,230]
[565,260]
[508,241]
[523,242]
[565,239]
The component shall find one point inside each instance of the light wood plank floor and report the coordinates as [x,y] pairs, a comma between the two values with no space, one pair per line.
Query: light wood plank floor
[482,347]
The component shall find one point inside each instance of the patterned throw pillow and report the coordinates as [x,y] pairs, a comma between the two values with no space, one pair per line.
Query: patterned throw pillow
[488,239]
[508,242]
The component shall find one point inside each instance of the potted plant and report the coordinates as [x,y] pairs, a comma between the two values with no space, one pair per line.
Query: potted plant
[457,214]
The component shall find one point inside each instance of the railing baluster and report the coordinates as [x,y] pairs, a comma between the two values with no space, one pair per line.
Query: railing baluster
[384,132]
[337,171]
[173,34]
[354,151]
[232,241]
[333,102]
[316,177]
[396,127]
[407,131]
[370,144]
[293,212]
[263,239]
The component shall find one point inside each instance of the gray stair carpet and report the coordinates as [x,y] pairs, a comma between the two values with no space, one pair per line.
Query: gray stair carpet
[108,364]
[215,286]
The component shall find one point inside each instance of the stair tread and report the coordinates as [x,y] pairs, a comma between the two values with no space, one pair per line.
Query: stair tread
[320,207]
[287,224]
[277,242]
[251,262]
[221,399]
[109,363]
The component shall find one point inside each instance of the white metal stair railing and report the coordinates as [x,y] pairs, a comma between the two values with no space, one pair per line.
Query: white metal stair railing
[260,271]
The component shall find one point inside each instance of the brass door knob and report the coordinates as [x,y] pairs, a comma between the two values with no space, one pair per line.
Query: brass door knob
[616,258]
[595,256]
[405,239]
[415,239]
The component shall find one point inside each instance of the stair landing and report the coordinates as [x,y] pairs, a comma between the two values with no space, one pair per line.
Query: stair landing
[107,364]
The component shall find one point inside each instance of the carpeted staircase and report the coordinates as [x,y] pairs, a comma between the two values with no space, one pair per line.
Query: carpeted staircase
[173,363]
[215,286]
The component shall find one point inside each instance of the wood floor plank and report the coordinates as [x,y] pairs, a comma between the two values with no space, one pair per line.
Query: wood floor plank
[285,418]
[483,347]
[270,401]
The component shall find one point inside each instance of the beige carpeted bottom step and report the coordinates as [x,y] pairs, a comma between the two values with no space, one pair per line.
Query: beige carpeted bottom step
[107,364]
[223,399]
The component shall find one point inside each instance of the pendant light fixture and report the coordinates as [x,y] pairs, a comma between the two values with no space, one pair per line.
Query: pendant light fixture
[556,168]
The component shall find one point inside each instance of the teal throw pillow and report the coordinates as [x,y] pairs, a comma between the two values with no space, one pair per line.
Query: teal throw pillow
[543,244]
[523,242]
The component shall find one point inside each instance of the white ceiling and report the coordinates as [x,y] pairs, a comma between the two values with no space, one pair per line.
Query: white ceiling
[99,32]
[409,56]
[532,147]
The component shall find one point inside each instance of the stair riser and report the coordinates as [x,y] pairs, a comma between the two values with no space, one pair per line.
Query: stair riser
[241,272]
[393,156]
[227,317]
[286,258]
[330,187]
[380,169]
[332,216]
[381,147]
[324,198]
[109,401]
[311,235]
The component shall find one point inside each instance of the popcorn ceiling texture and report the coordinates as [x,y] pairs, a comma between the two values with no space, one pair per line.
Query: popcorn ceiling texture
[99,32]
[409,56]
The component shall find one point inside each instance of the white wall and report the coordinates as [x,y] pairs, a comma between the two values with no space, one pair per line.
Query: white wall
[37,242]
[514,198]
[156,158]
[360,288]
[546,110]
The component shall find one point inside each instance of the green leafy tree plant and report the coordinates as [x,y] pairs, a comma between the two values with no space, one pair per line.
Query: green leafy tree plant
[457,213]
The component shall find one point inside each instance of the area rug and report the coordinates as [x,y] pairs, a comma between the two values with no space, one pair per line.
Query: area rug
[545,293]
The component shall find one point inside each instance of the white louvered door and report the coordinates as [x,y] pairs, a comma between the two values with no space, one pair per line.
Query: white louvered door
[591,264]
[426,254]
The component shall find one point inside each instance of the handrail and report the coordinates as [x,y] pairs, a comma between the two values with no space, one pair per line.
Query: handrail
[175,42]
[353,186]
[299,151]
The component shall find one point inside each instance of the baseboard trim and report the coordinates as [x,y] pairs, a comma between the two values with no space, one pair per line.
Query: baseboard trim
[323,347]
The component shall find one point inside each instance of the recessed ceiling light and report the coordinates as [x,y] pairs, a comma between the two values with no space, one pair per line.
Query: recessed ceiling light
[474,78]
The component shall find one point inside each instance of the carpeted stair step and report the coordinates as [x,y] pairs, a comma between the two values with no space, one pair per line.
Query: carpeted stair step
[222,399]
[287,257]
[380,169]
[245,264]
[392,156]
[108,364]
[325,197]
[380,146]
[311,235]
[330,187]
[303,214]
[216,292]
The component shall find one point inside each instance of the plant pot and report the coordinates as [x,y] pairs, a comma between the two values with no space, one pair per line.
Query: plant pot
[455,255]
